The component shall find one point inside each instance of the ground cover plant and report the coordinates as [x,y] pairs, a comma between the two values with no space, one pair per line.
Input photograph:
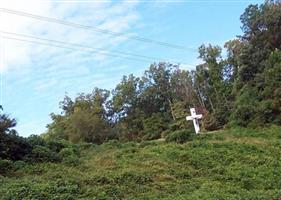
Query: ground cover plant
[232,164]
[134,142]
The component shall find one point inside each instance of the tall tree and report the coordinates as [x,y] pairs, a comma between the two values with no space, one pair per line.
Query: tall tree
[262,36]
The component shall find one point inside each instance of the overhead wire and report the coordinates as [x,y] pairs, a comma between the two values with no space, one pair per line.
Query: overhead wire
[92,48]
[121,54]
[65,47]
[80,47]
[96,29]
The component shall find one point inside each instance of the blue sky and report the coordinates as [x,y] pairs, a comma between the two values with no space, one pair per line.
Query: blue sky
[36,77]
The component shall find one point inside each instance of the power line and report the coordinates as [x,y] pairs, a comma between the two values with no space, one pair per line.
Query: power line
[97,50]
[69,48]
[88,47]
[96,29]
[83,49]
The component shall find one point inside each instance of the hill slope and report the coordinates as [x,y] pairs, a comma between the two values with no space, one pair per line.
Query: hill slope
[234,164]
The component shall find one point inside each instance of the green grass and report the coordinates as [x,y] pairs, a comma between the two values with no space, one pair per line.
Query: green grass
[232,164]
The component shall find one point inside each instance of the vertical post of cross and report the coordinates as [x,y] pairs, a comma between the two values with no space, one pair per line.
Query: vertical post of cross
[195,118]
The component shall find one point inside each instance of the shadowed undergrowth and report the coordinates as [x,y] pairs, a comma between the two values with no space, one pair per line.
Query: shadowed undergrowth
[231,164]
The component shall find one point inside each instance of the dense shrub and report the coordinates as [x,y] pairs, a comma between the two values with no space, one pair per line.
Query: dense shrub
[233,164]
[5,166]
[43,154]
[13,147]
[72,160]
[19,164]
[180,136]
[69,156]
[210,122]
[57,145]
[244,114]
[132,178]
[36,140]
[66,152]
[155,125]
[20,190]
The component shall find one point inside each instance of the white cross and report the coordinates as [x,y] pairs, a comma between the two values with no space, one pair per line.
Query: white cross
[194,117]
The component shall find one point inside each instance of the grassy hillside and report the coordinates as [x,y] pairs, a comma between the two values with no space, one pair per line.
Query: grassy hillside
[233,164]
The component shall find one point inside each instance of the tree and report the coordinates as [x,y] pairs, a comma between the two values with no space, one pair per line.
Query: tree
[126,107]
[257,59]
[212,85]
[85,119]
[12,146]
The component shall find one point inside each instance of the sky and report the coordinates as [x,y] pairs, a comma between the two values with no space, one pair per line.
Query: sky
[36,76]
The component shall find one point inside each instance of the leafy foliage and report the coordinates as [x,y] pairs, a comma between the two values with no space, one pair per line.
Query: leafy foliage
[15,151]
[180,136]
[12,146]
[241,88]
[232,164]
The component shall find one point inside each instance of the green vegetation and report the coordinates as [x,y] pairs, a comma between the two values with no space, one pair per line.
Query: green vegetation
[231,164]
[242,88]
[134,142]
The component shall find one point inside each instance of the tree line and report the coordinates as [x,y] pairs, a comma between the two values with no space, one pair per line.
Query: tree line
[242,88]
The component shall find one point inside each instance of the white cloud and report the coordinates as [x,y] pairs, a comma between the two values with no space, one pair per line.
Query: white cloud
[37,76]
[118,17]
[26,60]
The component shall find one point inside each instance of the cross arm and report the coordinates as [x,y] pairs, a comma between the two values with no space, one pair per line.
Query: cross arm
[194,117]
